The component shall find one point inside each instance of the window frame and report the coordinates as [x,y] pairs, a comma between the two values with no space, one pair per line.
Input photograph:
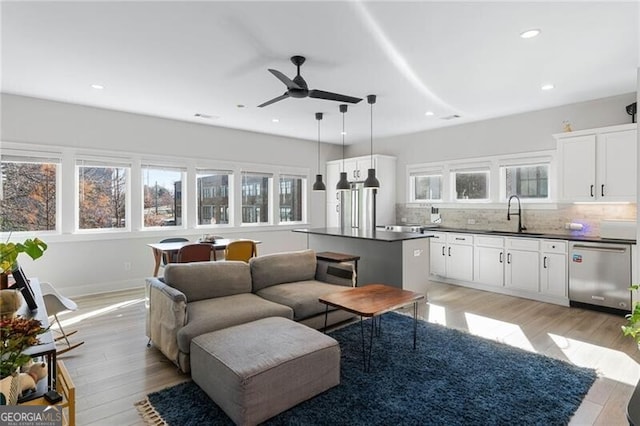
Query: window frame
[426,172]
[270,187]
[145,165]
[304,190]
[209,170]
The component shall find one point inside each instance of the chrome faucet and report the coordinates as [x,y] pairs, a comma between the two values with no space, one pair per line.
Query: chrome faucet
[519,214]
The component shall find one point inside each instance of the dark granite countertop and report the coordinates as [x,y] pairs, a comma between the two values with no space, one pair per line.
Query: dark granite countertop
[377,235]
[569,237]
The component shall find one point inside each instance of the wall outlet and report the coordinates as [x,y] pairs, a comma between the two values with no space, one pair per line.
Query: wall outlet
[417,252]
[127,266]
[471,221]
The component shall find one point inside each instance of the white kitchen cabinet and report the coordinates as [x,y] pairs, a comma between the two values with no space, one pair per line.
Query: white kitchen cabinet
[451,256]
[356,169]
[488,260]
[522,268]
[438,254]
[553,268]
[598,164]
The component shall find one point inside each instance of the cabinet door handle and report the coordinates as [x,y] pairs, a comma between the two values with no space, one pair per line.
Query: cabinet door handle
[337,208]
[591,191]
[544,262]
[443,251]
[461,239]
[602,190]
[509,258]
[449,251]
[338,196]
[501,257]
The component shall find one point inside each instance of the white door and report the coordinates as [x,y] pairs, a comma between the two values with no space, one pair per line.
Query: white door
[577,166]
[553,274]
[522,270]
[437,258]
[460,262]
[489,266]
[617,166]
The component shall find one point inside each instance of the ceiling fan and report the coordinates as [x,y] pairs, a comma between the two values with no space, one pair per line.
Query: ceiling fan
[297,88]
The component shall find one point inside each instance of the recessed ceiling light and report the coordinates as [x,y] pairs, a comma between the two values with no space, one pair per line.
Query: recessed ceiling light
[429,113]
[548,86]
[97,86]
[275,120]
[530,33]
[343,133]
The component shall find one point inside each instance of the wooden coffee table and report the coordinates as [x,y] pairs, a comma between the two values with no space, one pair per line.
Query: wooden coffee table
[371,301]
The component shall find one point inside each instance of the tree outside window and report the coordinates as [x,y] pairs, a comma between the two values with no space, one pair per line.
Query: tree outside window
[472,185]
[29,188]
[102,197]
[162,192]
[426,187]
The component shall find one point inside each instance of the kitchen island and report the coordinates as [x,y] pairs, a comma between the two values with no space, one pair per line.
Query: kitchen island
[399,259]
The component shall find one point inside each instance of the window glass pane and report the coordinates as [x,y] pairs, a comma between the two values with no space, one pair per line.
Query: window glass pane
[427,187]
[255,198]
[530,181]
[102,197]
[162,192]
[29,191]
[472,185]
[291,198]
[213,197]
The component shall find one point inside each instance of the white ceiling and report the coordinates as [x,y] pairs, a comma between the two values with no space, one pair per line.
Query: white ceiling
[176,59]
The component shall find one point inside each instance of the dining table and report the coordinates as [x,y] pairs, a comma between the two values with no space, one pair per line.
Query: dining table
[171,248]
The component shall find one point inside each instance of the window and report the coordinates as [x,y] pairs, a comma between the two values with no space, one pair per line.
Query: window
[162,196]
[526,181]
[471,185]
[255,197]
[29,189]
[292,189]
[102,195]
[213,196]
[425,186]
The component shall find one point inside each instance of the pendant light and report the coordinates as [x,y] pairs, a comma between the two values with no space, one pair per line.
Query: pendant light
[371,182]
[343,183]
[319,185]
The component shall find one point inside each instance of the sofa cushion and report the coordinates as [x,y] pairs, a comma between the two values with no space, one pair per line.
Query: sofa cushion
[214,314]
[281,268]
[302,296]
[205,280]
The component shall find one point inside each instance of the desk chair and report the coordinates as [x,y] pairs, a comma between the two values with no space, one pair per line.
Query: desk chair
[197,252]
[240,250]
[171,257]
[56,303]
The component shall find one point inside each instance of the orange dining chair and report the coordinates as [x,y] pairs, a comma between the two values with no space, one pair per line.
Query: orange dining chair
[240,250]
[198,252]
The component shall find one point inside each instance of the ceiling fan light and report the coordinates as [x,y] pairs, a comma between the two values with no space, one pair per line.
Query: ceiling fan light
[318,185]
[371,182]
[343,183]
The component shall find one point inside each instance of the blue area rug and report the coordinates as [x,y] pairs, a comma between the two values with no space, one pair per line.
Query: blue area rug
[451,378]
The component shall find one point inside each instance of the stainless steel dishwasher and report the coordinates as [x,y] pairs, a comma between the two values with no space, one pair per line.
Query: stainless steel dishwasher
[600,275]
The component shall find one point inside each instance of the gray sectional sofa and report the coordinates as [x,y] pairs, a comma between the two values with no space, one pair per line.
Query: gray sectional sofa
[196,298]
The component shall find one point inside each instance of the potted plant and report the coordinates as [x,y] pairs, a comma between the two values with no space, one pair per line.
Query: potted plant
[9,252]
[632,328]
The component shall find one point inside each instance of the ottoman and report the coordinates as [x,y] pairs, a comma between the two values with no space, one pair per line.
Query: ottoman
[256,370]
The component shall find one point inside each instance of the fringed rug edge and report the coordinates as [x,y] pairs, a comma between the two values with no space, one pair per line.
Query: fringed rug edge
[149,414]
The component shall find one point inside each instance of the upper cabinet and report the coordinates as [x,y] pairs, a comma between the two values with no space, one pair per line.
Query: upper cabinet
[356,169]
[598,164]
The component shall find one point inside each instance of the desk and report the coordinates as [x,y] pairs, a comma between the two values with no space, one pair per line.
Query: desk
[47,346]
[160,248]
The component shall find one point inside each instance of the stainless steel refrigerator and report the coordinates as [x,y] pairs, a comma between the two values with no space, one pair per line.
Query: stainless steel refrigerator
[358,207]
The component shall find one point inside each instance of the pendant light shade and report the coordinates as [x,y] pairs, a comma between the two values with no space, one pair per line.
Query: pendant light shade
[343,183]
[319,184]
[371,182]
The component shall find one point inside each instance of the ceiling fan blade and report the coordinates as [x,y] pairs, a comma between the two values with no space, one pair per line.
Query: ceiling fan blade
[321,94]
[274,100]
[286,80]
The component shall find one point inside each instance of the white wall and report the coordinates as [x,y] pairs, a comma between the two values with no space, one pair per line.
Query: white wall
[531,131]
[83,264]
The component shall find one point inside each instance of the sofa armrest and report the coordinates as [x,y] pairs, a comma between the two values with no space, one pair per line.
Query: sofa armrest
[336,273]
[166,314]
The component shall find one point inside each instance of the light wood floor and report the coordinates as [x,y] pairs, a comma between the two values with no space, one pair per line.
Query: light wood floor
[114,368]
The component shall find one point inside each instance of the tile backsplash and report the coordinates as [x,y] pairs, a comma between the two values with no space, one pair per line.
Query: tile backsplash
[548,221]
